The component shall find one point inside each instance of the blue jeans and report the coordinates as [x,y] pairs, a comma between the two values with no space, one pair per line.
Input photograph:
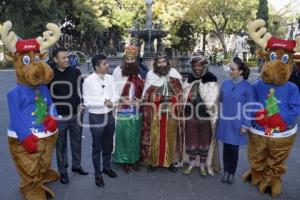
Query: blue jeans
[75,135]
[102,129]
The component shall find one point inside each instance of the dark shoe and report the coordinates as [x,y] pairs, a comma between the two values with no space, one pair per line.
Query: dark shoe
[99,181]
[172,168]
[224,178]
[80,171]
[110,173]
[151,169]
[230,180]
[178,164]
[136,167]
[64,178]
[126,168]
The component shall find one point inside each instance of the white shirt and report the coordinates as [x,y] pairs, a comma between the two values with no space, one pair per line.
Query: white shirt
[120,80]
[96,90]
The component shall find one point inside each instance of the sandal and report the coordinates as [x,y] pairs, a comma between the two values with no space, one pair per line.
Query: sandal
[126,168]
[188,170]
[203,171]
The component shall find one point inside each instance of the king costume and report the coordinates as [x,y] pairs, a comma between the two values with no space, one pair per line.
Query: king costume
[201,99]
[162,125]
[129,86]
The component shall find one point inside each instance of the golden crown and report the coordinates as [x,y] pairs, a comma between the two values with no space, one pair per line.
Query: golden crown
[131,51]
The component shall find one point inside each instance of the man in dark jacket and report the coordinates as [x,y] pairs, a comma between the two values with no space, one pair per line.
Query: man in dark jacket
[143,68]
[295,76]
[64,88]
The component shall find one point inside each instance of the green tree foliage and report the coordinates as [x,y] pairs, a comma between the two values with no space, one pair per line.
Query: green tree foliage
[185,36]
[171,14]
[115,16]
[263,11]
[225,16]
[170,11]
[29,17]
[86,20]
[281,20]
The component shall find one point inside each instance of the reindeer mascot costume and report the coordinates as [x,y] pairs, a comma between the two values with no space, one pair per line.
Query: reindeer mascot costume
[33,126]
[273,132]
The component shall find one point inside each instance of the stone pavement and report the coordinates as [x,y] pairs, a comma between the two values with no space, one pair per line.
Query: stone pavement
[159,185]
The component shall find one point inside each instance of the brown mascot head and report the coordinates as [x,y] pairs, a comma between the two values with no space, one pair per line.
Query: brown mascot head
[278,56]
[28,55]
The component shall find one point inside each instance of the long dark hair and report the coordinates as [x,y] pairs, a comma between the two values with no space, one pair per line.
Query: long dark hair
[241,66]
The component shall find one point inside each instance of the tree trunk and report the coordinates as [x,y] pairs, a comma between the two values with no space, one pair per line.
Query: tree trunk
[204,39]
[221,38]
[80,41]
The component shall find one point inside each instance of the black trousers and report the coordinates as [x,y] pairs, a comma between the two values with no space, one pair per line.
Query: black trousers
[230,157]
[75,134]
[102,129]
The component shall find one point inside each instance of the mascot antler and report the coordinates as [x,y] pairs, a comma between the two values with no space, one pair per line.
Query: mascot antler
[9,39]
[257,35]
[297,48]
[49,37]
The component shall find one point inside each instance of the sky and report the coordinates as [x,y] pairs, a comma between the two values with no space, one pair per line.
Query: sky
[278,4]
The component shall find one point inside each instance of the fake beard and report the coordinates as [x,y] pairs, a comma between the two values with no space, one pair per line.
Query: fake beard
[130,69]
[161,71]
